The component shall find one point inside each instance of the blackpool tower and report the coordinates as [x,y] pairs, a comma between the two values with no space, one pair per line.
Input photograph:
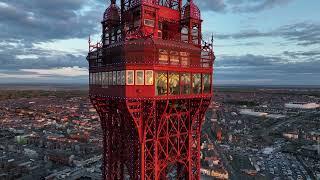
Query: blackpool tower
[151,84]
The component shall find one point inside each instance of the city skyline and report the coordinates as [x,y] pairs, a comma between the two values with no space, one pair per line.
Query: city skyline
[266,42]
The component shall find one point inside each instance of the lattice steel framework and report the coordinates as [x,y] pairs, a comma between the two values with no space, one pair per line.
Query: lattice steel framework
[151,131]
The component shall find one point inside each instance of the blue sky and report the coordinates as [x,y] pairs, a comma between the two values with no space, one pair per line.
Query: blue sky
[257,42]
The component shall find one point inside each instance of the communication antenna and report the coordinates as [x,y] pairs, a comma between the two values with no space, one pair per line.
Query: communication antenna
[212,39]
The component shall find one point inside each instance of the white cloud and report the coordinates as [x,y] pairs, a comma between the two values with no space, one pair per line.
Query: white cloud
[29,56]
[64,71]
[4,5]
[19,76]
[74,46]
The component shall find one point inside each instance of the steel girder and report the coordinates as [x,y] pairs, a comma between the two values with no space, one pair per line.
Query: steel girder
[151,139]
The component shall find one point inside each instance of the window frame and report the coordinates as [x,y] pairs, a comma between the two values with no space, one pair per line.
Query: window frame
[163,53]
[110,78]
[152,22]
[174,55]
[137,76]
[119,78]
[127,76]
[152,77]
[123,77]
[114,77]
[204,84]
[170,83]
[156,83]
[183,84]
[193,87]
[184,58]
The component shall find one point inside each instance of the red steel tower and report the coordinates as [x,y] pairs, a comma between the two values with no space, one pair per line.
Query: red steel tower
[151,83]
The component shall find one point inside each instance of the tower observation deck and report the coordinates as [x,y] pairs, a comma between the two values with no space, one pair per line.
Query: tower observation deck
[151,83]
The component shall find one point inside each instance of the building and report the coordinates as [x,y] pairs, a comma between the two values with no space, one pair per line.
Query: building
[302,106]
[151,83]
[291,135]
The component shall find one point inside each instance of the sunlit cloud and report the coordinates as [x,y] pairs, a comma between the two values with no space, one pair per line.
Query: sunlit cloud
[27,56]
[64,71]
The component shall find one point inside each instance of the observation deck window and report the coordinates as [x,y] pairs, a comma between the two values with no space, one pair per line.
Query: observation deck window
[106,39]
[185,34]
[195,35]
[196,83]
[114,77]
[174,57]
[185,83]
[130,77]
[149,77]
[110,78]
[119,35]
[97,79]
[206,78]
[123,78]
[105,79]
[161,83]
[174,86]
[139,77]
[185,58]
[113,37]
[119,78]
[163,56]
[149,22]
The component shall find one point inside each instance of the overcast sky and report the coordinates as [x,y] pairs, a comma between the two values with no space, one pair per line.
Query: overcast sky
[257,42]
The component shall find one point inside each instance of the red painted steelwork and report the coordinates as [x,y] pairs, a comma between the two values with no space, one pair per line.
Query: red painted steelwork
[151,83]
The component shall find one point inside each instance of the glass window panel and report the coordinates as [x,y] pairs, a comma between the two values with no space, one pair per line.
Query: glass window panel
[119,35]
[123,77]
[196,83]
[113,37]
[98,81]
[106,41]
[100,78]
[103,78]
[174,85]
[139,77]
[95,78]
[106,78]
[195,35]
[130,77]
[185,58]
[185,83]
[184,34]
[149,77]
[161,83]
[110,78]
[163,56]
[119,77]
[174,57]
[114,77]
[206,80]
[149,22]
